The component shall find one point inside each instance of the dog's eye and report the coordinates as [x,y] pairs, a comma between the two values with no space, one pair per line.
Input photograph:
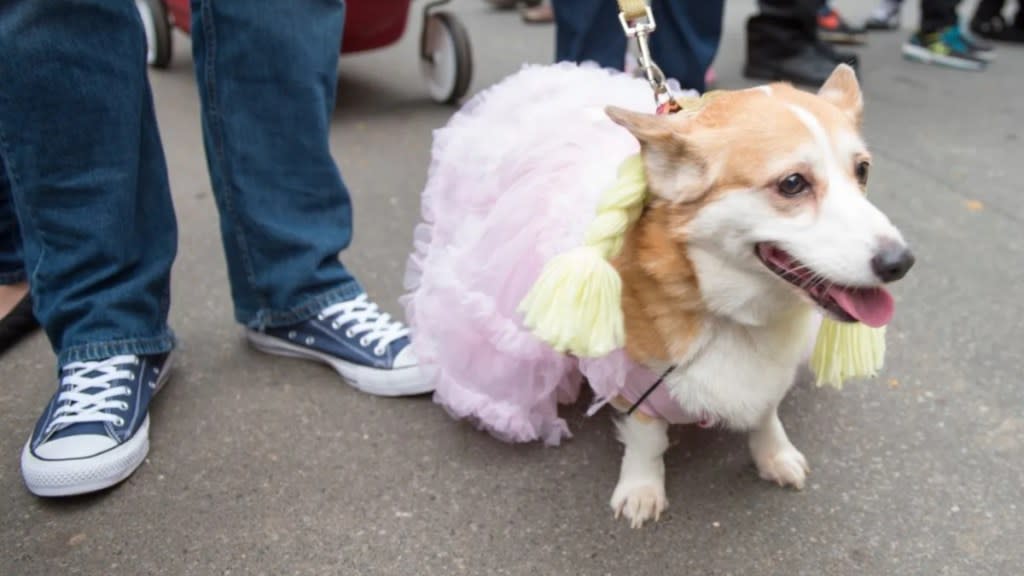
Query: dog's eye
[862,170]
[793,185]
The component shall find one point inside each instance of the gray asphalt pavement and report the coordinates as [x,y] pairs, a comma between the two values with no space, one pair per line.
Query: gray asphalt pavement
[270,466]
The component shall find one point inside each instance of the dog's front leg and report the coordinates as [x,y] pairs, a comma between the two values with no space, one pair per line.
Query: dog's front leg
[640,493]
[776,458]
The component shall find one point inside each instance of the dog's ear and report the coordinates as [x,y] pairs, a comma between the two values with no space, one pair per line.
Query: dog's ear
[675,170]
[843,90]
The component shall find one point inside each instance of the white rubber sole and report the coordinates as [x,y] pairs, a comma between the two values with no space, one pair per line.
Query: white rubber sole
[51,478]
[81,476]
[398,382]
[922,54]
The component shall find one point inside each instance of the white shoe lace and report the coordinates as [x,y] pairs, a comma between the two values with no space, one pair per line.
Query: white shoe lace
[88,391]
[362,317]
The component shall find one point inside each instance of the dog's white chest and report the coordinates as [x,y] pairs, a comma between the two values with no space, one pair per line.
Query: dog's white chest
[742,371]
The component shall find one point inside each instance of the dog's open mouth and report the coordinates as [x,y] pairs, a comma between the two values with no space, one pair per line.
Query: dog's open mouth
[872,306]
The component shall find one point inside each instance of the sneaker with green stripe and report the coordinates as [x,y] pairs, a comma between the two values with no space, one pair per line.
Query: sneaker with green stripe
[943,48]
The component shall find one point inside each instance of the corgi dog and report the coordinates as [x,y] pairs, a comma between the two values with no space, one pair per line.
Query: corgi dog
[754,225]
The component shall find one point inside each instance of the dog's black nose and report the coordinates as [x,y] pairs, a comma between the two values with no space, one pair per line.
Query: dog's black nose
[892,261]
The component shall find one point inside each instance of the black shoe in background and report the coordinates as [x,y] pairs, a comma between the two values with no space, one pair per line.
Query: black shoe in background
[18,323]
[784,46]
[838,56]
[809,67]
[998,29]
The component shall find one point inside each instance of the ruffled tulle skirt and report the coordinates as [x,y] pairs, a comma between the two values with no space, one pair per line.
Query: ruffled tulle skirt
[514,180]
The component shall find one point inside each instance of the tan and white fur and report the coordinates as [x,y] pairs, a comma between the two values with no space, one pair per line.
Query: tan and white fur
[695,292]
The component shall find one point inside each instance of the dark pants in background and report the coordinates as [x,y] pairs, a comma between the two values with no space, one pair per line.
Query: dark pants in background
[938,14]
[684,44]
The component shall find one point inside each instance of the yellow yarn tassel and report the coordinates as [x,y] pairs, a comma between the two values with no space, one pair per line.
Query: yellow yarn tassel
[576,303]
[843,351]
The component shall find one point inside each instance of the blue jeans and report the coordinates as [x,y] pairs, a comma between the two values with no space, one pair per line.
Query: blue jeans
[684,44]
[87,180]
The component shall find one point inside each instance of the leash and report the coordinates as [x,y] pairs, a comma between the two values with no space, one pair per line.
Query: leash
[638,23]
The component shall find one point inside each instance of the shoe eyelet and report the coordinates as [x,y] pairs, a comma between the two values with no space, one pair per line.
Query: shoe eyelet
[334,326]
[379,352]
[124,406]
[119,422]
[349,333]
[364,342]
[128,392]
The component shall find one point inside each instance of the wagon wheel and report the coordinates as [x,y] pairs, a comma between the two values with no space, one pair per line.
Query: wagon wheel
[446,58]
[158,32]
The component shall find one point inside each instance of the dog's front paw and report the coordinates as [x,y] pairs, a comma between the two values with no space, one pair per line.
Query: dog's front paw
[639,501]
[787,467]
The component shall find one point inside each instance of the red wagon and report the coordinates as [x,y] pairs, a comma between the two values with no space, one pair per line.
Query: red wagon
[445,56]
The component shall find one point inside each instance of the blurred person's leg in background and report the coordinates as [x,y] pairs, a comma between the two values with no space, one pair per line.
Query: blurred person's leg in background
[990,22]
[937,15]
[684,44]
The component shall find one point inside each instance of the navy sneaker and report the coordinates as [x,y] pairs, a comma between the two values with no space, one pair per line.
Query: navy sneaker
[365,346]
[95,431]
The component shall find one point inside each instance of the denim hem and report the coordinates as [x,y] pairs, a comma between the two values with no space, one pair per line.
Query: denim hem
[101,350]
[304,311]
[12,277]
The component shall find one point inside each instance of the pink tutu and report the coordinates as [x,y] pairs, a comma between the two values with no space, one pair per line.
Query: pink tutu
[514,180]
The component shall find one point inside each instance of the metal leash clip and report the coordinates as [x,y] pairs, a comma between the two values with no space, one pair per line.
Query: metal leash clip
[641,29]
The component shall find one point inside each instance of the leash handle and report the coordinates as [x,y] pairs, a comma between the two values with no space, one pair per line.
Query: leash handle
[638,23]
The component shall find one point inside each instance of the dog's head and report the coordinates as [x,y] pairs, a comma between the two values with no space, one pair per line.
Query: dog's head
[763,191]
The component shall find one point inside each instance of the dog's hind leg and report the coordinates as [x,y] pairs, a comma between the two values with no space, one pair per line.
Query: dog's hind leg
[640,493]
[776,458]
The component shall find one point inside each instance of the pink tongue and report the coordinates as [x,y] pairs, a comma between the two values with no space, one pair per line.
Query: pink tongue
[871,306]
